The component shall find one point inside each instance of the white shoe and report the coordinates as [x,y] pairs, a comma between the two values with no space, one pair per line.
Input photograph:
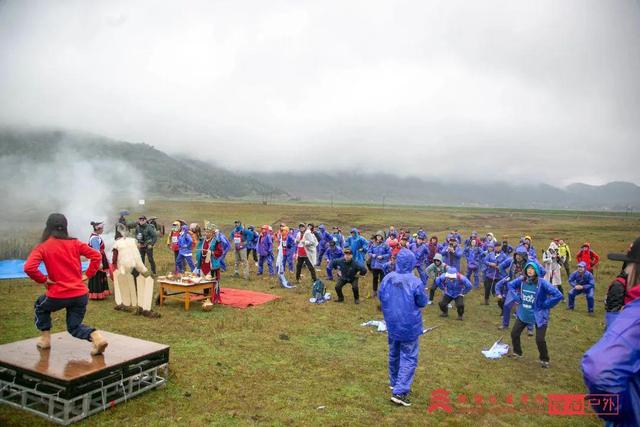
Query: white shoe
[430,302]
[450,305]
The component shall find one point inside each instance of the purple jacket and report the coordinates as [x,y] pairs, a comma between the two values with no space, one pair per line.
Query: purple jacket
[265,245]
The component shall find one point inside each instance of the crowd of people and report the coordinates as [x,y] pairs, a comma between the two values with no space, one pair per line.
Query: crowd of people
[407,270]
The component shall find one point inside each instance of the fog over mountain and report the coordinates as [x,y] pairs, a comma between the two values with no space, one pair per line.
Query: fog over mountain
[93,176]
[546,92]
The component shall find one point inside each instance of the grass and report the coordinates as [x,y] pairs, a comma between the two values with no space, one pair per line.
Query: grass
[276,364]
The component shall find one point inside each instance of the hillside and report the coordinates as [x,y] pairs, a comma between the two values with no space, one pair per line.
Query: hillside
[161,174]
[346,187]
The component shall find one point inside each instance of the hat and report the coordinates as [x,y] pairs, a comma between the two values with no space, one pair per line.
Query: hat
[347,251]
[437,257]
[57,221]
[528,238]
[534,266]
[422,235]
[251,227]
[354,230]
[209,226]
[582,264]
[332,242]
[451,273]
[632,255]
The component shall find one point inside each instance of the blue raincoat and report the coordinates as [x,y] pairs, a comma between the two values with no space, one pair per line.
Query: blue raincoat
[402,298]
[612,366]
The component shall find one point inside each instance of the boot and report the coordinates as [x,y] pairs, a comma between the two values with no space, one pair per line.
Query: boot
[44,342]
[99,343]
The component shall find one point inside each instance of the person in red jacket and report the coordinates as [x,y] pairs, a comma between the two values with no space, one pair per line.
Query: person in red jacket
[65,282]
[588,256]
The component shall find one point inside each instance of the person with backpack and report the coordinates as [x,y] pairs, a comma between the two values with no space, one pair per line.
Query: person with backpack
[379,253]
[455,287]
[239,241]
[581,282]
[588,256]
[612,366]
[64,282]
[535,298]
[348,268]
[146,236]
[402,299]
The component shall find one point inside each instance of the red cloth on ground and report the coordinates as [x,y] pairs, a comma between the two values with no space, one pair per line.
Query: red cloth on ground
[240,298]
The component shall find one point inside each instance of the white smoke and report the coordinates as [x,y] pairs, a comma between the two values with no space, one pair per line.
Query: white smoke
[84,189]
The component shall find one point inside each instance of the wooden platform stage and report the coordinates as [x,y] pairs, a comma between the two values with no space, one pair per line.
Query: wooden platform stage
[76,383]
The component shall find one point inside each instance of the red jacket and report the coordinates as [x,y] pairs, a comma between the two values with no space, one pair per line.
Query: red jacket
[588,256]
[62,260]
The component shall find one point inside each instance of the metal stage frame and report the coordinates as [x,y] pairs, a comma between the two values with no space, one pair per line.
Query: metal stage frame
[45,399]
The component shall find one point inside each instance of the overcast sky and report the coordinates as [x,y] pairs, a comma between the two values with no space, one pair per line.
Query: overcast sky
[533,90]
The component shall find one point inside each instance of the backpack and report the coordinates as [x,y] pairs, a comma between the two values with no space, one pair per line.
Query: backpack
[318,290]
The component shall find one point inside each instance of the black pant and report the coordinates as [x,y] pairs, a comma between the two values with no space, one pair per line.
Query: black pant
[446,299]
[560,289]
[76,308]
[432,291]
[255,254]
[566,267]
[354,285]
[541,332]
[489,288]
[149,252]
[304,260]
[378,275]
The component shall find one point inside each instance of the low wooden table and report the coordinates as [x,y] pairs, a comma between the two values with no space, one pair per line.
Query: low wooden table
[182,291]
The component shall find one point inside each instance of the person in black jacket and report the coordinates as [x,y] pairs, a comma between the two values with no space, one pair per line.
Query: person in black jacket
[348,270]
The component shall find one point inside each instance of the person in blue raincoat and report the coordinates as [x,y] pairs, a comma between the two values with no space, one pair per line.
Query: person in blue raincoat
[455,287]
[379,253]
[536,297]
[226,246]
[472,254]
[323,243]
[581,282]
[451,253]
[251,238]
[358,245]
[185,250]
[402,297]
[338,237]
[421,250]
[265,250]
[612,366]
[334,252]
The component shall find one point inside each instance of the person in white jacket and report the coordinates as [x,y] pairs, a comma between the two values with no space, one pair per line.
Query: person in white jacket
[553,265]
[306,244]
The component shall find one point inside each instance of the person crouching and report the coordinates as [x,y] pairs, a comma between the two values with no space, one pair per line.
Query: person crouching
[402,297]
[348,270]
[455,287]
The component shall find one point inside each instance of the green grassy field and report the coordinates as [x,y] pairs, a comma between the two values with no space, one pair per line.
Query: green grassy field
[279,363]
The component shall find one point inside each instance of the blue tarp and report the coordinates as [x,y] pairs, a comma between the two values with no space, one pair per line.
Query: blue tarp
[14,268]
